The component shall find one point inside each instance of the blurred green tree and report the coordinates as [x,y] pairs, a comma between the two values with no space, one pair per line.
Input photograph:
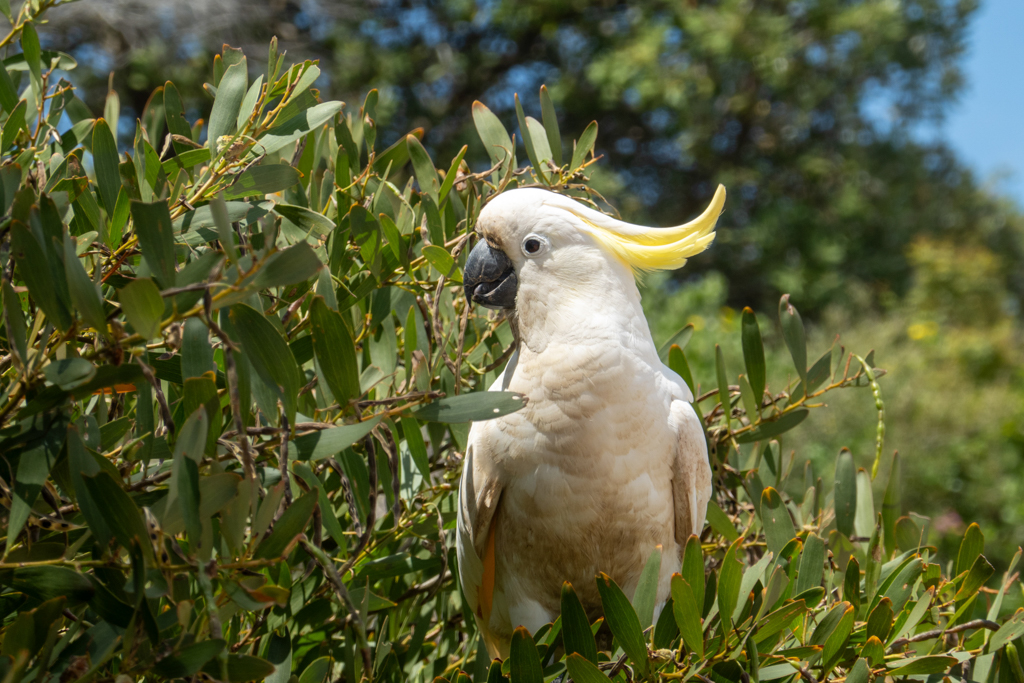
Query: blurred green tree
[806,109]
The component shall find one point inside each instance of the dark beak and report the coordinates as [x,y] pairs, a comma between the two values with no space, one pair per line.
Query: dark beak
[489,278]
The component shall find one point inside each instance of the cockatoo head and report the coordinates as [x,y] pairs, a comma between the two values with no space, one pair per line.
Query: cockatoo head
[538,241]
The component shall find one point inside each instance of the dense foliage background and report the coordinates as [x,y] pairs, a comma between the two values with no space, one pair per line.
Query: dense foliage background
[238,369]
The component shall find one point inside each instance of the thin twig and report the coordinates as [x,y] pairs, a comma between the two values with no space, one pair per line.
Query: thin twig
[935,633]
[283,459]
[165,411]
[346,489]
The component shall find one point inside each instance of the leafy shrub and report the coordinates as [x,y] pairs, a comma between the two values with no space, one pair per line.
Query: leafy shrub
[238,377]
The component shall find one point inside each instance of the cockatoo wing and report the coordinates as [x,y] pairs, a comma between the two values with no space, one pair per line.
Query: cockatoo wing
[479,494]
[691,470]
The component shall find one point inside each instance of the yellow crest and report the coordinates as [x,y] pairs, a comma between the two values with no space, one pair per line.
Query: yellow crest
[646,249]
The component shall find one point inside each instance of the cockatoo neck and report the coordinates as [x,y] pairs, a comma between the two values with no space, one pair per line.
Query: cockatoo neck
[600,304]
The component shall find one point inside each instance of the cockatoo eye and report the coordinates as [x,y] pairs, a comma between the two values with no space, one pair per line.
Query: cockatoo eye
[534,245]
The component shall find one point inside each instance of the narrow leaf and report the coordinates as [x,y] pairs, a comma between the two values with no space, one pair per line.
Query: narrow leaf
[623,622]
[107,162]
[576,633]
[845,492]
[224,115]
[156,238]
[335,351]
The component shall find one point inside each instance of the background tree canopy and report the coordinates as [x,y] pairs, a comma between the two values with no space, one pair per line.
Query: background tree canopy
[765,97]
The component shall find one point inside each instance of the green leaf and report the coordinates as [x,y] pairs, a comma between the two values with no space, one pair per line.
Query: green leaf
[189,659]
[14,322]
[729,578]
[156,239]
[34,268]
[297,126]
[269,354]
[241,668]
[827,624]
[860,673]
[202,217]
[720,522]
[692,569]
[290,266]
[1011,630]
[121,514]
[317,671]
[46,583]
[793,333]
[970,548]
[85,296]
[687,610]
[442,262]
[475,407]
[524,659]
[768,430]
[328,442]
[495,138]
[423,167]
[918,666]
[833,646]
[533,147]
[576,633]
[778,525]
[891,506]
[584,146]
[305,219]
[723,386]
[32,54]
[335,351]
[623,622]
[845,492]
[70,373]
[8,93]
[981,571]
[143,306]
[550,119]
[864,521]
[874,651]
[880,622]
[261,180]
[776,621]
[227,103]
[394,157]
[200,393]
[252,96]
[851,583]
[107,163]
[750,403]
[187,159]
[899,586]
[292,523]
[753,353]
[646,594]
[15,123]
[812,564]
[582,670]
[219,212]
[65,62]
[453,173]
[679,339]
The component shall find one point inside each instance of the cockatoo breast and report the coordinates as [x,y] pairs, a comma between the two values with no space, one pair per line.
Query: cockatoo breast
[588,462]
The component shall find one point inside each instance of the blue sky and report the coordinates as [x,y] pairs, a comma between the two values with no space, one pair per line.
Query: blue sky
[987,126]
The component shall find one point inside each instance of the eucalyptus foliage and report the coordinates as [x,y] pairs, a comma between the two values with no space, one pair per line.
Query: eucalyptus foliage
[238,372]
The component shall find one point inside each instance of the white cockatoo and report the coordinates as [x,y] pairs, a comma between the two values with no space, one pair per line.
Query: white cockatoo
[607,460]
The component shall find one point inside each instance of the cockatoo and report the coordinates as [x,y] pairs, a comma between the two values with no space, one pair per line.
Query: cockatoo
[607,460]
